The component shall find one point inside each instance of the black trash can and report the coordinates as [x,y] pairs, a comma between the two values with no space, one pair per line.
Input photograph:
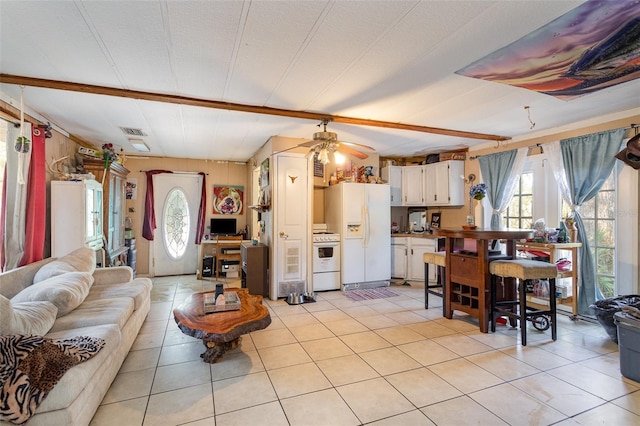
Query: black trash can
[605,309]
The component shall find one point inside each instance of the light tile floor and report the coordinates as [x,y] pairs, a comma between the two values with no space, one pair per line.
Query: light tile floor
[379,362]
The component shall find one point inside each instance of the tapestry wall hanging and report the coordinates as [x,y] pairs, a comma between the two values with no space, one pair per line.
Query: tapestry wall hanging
[228,199]
[592,47]
[131,188]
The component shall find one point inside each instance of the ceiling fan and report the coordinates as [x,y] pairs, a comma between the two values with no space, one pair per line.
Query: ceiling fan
[326,144]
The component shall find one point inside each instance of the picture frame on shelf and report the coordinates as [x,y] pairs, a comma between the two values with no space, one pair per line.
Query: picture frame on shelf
[435,220]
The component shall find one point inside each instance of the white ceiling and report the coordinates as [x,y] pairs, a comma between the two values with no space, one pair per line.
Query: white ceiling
[382,60]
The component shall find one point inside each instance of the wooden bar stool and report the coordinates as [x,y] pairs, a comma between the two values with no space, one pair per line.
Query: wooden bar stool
[439,260]
[522,269]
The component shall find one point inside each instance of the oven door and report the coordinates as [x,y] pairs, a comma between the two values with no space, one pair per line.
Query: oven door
[326,257]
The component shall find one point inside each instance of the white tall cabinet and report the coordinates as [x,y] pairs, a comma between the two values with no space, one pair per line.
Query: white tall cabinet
[291,248]
[76,216]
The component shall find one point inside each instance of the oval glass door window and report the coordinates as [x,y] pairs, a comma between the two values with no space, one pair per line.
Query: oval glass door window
[175,218]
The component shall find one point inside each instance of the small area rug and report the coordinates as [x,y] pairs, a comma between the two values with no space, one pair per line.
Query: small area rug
[369,293]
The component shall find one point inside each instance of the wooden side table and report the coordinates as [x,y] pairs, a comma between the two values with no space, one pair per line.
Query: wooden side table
[221,331]
[554,251]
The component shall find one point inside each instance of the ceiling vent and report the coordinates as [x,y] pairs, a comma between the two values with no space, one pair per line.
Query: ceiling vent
[130,131]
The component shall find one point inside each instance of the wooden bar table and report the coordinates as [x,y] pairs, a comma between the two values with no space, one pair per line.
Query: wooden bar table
[468,281]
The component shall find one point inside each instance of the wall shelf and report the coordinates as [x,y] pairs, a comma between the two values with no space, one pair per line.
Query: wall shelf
[260,207]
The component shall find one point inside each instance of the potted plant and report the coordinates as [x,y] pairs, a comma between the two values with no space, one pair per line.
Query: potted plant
[476,192]
[23,144]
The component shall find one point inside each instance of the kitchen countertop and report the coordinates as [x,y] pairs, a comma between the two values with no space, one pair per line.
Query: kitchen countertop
[414,235]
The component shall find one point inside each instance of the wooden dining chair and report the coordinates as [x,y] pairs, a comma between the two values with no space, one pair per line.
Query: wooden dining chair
[227,249]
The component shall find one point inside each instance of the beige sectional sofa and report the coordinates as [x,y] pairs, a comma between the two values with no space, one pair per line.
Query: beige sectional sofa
[68,297]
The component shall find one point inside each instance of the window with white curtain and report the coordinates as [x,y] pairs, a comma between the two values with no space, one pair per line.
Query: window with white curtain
[599,217]
[519,214]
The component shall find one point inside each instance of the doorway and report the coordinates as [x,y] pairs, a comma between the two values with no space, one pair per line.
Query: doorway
[176,203]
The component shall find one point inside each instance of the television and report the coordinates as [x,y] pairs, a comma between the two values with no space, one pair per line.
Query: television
[223,226]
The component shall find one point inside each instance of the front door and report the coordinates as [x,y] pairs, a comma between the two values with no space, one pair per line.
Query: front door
[176,203]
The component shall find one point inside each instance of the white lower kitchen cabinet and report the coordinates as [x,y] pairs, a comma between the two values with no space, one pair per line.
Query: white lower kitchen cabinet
[399,257]
[417,248]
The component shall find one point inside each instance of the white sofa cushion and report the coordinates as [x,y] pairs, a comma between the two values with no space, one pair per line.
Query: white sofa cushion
[115,310]
[137,289]
[26,318]
[80,260]
[79,378]
[66,291]
[113,275]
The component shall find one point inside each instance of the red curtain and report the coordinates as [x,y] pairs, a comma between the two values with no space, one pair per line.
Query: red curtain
[149,223]
[3,216]
[36,208]
[202,210]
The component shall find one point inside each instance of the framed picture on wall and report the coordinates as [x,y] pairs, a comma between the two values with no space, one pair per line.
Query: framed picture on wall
[435,220]
[131,189]
[264,174]
[318,167]
[228,199]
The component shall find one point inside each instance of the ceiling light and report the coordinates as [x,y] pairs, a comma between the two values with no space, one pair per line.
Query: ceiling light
[139,145]
[339,158]
[323,156]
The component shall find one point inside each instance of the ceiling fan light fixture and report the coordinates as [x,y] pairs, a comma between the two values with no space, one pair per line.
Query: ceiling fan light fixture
[325,136]
[339,158]
[323,156]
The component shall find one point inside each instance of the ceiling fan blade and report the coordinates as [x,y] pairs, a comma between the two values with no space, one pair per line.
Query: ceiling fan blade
[351,151]
[358,145]
[310,143]
[285,150]
[307,144]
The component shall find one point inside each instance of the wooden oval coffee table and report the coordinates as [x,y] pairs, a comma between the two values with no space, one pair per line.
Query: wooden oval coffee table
[221,331]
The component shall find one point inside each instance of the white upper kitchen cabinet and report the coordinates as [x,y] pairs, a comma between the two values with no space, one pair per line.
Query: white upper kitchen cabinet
[443,183]
[413,186]
[393,176]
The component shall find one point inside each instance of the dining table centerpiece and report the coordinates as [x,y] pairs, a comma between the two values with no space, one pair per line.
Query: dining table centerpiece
[476,192]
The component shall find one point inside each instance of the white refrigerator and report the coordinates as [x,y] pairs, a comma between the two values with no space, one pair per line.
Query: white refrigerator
[361,214]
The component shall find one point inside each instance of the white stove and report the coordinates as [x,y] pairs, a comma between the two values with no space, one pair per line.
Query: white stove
[328,237]
[326,259]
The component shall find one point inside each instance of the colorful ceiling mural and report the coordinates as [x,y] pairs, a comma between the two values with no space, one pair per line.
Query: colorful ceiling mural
[592,47]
